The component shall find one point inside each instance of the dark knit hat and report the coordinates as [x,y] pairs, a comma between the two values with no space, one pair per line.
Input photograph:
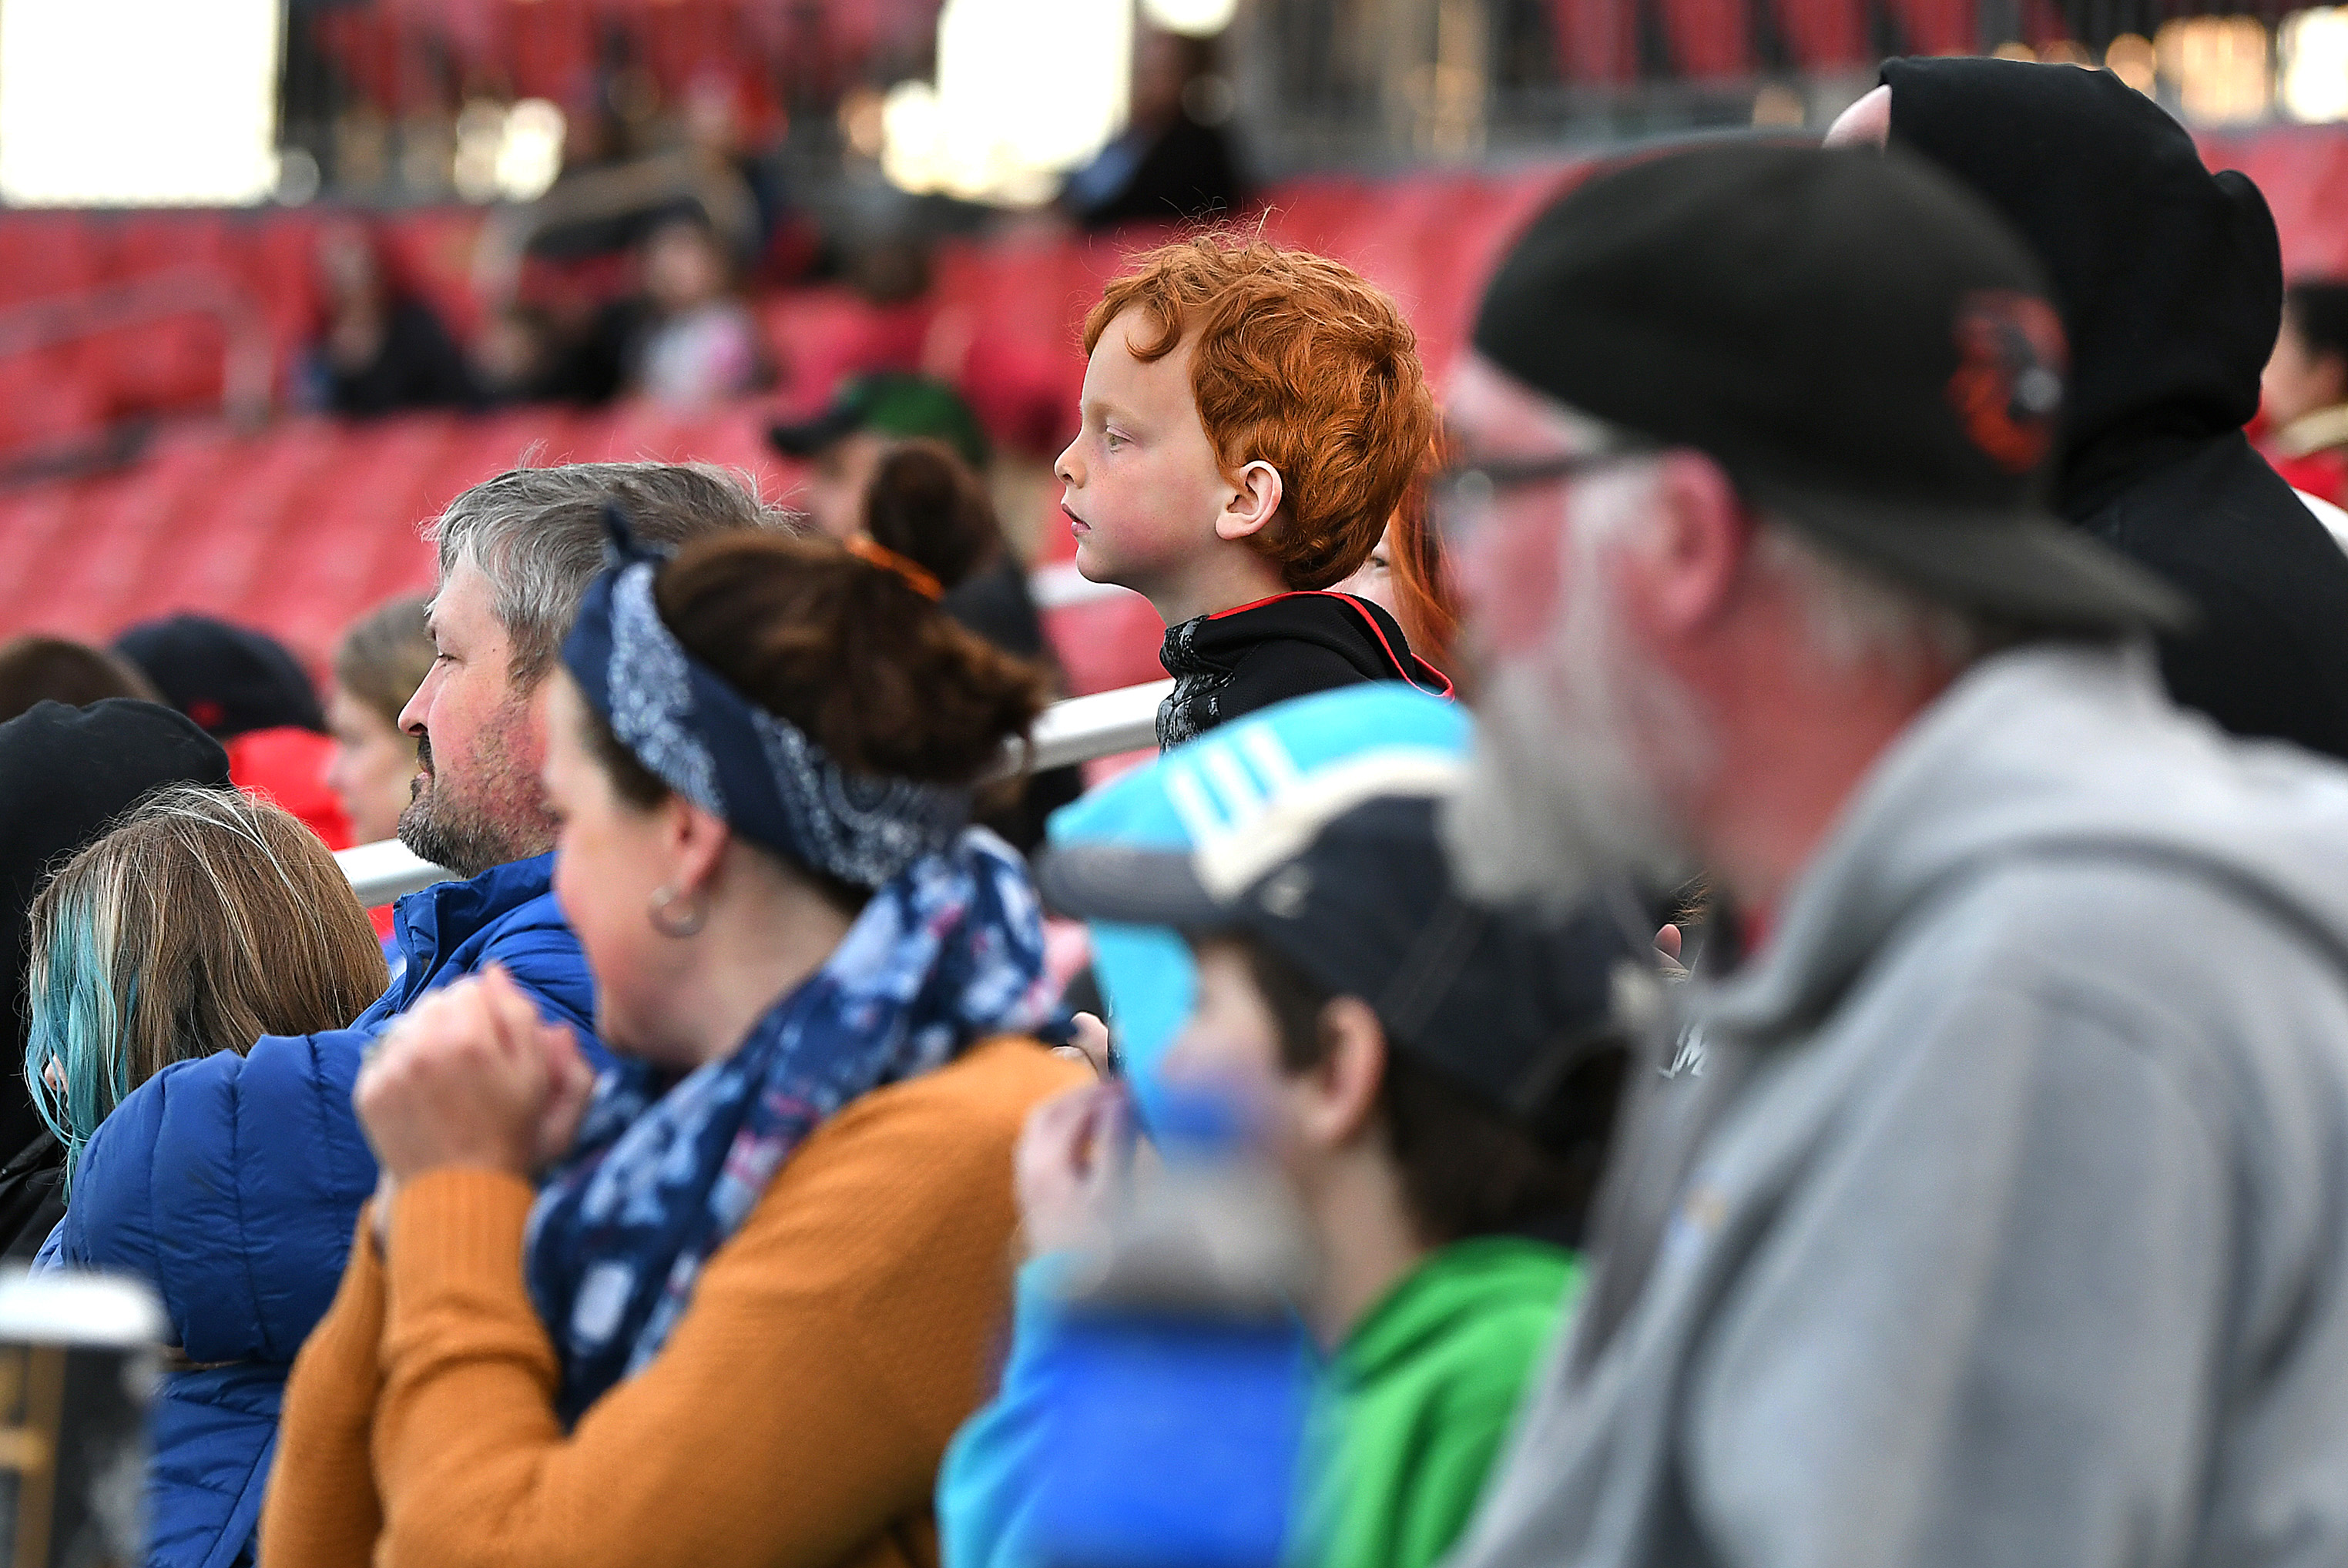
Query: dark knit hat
[66,773]
[229,678]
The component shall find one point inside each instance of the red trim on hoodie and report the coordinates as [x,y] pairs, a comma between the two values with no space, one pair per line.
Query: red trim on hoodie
[1358,607]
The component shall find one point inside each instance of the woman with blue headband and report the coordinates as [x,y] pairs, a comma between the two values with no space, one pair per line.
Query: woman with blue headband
[727,1305]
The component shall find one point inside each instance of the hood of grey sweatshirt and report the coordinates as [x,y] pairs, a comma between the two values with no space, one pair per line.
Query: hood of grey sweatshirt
[2006,1220]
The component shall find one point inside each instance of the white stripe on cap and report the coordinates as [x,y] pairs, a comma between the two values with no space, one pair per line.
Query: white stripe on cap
[1230,863]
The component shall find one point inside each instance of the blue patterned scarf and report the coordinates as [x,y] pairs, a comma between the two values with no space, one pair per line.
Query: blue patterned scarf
[665,1171]
[949,949]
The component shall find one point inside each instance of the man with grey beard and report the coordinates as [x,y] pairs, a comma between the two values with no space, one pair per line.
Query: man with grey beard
[517,553]
[2001,1224]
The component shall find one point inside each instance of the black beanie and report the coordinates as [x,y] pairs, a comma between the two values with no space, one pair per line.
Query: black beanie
[66,775]
[232,680]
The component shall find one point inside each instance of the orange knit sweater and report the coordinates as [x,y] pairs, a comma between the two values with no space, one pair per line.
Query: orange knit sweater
[796,1416]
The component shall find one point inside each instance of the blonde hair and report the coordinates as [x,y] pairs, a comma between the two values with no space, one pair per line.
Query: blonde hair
[201,921]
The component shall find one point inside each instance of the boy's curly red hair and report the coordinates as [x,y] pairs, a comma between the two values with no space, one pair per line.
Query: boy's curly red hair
[1299,362]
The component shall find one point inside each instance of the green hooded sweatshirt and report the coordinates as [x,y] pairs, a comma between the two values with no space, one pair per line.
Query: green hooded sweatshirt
[1412,1408]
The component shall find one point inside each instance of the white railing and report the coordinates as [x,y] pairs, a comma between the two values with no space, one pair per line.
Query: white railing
[1077,731]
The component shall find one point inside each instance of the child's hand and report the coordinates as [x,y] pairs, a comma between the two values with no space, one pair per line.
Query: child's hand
[1070,1163]
[1088,1042]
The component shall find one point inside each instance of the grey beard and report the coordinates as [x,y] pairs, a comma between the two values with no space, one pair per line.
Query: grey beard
[467,843]
[1558,803]
[467,835]
[1542,819]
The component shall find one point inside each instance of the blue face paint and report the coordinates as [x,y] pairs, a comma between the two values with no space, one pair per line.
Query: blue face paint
[1217,784]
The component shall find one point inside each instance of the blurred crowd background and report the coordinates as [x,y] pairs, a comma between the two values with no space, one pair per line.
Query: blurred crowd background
[278,278]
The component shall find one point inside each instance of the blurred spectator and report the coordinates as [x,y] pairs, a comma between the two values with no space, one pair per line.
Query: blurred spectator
[696,343]
[66,773]
[606,199]
[717,131]
[380,348]
[1429,1135]
[384,658]
[2305,390]
[1174,159]
[1980,1215]
[243,686]
[1407,577]
[819,995]
[2170,286]
[867,417]
[35,668]
[926,508]
[520,356]
[211,931]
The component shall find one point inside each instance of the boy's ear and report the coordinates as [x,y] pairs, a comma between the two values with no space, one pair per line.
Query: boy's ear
[1255,501]
[1341,1092]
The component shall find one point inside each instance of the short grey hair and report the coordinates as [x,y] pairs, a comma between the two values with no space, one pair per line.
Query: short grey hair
[537,534]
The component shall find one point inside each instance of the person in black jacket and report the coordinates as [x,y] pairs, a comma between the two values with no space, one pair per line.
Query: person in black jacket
[1174,159]
[2170,284]
[380,349]
[66,773]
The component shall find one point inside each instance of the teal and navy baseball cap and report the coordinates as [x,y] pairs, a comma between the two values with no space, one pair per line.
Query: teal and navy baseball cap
[1224,785]
[889,402]
[1345,879]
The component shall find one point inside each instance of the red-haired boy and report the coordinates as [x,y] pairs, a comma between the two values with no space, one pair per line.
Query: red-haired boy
[1252,416]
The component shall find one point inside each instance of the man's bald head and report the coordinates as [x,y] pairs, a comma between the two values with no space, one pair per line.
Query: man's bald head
[1867,123]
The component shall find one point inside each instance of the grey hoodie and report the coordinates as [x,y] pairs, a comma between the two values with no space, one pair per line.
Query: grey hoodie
[2015,1226]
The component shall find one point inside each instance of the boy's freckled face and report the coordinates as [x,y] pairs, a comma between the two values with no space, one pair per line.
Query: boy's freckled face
[1142,486]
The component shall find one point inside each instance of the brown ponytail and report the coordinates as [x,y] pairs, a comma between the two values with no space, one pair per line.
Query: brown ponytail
[925,504]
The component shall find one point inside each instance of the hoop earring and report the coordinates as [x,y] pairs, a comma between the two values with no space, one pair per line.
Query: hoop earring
[669,925]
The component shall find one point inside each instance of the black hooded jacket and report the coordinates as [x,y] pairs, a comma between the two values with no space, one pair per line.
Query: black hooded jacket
[66,773]
[1290,645]
[2170,284]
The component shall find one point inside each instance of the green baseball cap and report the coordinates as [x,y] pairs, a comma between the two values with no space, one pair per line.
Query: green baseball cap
[889,402]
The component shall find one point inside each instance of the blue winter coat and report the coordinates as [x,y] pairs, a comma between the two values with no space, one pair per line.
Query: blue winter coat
[233,1183]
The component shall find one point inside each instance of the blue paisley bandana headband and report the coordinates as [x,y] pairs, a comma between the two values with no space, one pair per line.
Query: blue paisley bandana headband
[947,951]
[761,774]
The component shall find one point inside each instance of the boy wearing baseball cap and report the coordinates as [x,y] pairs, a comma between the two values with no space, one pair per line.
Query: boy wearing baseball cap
[1251,418]
[1435,1082]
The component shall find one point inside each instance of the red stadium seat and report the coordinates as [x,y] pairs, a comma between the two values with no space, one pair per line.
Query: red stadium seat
[822,337]
[1823,35]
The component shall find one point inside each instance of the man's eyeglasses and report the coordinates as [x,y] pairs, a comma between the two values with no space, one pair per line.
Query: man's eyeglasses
[1460,500]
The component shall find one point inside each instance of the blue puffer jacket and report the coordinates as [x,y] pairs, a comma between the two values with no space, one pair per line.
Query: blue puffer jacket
[234,1183]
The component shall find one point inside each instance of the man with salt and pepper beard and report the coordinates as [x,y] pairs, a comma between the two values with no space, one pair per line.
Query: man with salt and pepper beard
[1997,1224]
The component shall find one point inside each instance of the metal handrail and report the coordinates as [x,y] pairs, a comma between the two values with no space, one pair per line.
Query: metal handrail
[1079,730]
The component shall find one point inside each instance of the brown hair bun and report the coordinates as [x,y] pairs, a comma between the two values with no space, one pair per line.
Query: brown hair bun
[925,504]
[874,672]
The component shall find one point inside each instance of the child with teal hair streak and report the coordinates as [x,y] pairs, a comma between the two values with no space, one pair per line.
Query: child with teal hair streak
[201,921]
[1435,1085]
[171,958]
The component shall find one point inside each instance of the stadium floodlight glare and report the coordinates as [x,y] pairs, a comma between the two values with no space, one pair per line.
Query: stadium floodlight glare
[2314,46]
[130,103]
[1196,18]
[1007,117]
[530,157]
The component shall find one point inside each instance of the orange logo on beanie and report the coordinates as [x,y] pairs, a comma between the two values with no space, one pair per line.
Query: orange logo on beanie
[2008,385]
